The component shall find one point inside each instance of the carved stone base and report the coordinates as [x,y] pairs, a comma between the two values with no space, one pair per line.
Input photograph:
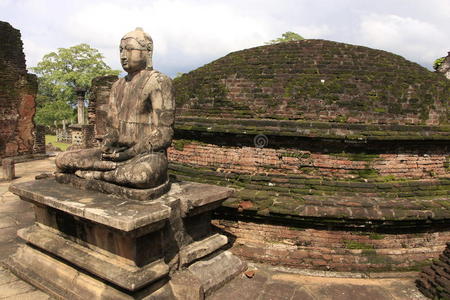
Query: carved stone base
[90,245]
[111,188]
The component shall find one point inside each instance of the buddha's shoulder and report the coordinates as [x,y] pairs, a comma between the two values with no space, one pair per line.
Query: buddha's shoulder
[157,75]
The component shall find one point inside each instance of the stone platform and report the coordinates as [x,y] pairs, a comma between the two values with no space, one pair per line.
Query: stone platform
[90,245]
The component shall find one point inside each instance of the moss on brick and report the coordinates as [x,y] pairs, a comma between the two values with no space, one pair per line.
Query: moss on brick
[313,80]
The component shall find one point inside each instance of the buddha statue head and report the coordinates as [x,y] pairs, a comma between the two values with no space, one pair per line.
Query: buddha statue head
[136,49]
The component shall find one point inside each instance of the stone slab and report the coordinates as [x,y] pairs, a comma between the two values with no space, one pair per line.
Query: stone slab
[117,212]
[199,249]
[107,267]
[110,188]
[68,282]
[121,214]
[214,272]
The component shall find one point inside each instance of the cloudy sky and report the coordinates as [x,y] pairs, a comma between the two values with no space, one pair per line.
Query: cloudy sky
[190,33]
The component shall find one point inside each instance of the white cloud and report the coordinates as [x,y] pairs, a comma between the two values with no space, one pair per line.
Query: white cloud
[190,33]
[403,35]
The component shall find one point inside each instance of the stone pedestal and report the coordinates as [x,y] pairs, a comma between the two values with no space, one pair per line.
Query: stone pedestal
[9,170]
[90,245]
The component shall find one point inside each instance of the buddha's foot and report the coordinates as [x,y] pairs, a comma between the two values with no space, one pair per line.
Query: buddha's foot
[89,174]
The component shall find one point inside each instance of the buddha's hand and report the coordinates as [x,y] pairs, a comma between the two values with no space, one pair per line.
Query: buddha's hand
[118,154]
[109,140]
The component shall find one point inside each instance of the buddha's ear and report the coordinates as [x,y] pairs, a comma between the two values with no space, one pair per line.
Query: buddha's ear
[149,64]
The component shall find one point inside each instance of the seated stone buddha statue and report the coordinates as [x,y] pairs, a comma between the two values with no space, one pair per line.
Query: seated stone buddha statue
[139,124]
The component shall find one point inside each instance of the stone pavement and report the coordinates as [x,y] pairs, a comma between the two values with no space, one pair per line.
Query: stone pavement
[267,282]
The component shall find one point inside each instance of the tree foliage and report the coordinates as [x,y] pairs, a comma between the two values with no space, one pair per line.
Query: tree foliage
[54,111]
[288,36]
[59,73]
[438,62]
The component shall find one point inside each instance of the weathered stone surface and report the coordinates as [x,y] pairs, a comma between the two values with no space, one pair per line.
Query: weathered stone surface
[121,214]
[17,96]
[216,271]
[8,169]
[104,265]
[110,188]
[186,286]
[200,249]
[98,103]
[134,245]
[68,282]
[141,112]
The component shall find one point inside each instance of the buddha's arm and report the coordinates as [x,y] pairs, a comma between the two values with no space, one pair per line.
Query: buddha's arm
[163,114]
[112,135]
[162,119]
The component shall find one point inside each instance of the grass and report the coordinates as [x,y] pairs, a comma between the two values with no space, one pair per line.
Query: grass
[52,139]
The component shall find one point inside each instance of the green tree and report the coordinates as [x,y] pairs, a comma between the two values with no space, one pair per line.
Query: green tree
[288,36]
[53,111]
[438,62]
[59,73]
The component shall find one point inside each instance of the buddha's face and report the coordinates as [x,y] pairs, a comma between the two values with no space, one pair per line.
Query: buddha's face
[133,56]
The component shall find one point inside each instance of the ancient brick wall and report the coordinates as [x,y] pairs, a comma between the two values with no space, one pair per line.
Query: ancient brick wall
[17,96]
[315,80]
[434,280]
[333,250]
[252,160]
[98,102]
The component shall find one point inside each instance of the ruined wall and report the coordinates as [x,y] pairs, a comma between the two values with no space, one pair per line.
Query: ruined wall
[333,250]
[17,96]
[315,80]
[98,102]
[434,281]
[355,143]
[444,68]
[294,161]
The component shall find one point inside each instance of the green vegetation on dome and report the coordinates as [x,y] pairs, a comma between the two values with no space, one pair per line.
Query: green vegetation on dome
[288,36]
[315,80]
[438,62]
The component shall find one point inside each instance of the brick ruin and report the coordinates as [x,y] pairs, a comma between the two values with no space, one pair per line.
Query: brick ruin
[339,154]
[17,98]
[444,68]
[434,280]
[98,102]
[353,170]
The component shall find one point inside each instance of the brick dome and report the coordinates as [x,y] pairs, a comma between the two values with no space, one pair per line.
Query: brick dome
[321,85]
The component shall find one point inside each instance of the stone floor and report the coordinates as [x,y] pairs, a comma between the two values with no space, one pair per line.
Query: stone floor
[267,282]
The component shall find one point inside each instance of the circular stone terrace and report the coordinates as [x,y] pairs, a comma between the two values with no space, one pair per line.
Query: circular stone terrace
[353,170]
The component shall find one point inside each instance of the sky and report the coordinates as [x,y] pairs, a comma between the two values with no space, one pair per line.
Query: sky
[190,33]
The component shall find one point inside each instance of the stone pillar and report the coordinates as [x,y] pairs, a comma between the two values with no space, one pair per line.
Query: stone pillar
[80,104]
[8,169]
[39,139]
[88,136]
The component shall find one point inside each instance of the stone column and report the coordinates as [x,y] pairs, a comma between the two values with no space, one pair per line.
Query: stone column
[80,104]
[8,169]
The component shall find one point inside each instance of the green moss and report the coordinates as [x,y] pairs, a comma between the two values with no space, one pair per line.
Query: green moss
[357,245]
[299,155]
[376,236]
[357,156]
[378,259]
[180,143]
[365,173]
